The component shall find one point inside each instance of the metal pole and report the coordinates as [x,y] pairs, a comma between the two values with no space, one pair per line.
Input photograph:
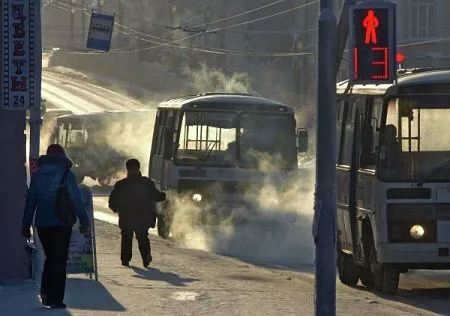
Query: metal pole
[342,33]
[13,265]
[324,227]
[35,130]
[83,20]
[71,33]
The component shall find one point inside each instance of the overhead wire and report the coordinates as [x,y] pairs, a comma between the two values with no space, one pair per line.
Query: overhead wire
[241,13]
[226,27]
[170,43]
[201,49]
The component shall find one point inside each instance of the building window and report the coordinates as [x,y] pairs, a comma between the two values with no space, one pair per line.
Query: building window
[421,19]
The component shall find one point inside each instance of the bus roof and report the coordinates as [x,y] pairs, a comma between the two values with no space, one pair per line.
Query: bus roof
[411,77]
[218,100]
[97,116]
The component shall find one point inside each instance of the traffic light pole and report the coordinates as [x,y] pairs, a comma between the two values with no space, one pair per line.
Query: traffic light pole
[324,227]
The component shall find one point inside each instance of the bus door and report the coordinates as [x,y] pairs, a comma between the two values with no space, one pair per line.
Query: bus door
[355,117]
[354,184]
[363,173]
[345,175]
[162,146]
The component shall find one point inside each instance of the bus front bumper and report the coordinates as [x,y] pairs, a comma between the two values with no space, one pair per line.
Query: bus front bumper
[422,256]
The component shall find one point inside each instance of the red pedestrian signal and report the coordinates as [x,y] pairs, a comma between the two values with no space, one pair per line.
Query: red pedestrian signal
[370,23]
[372,42]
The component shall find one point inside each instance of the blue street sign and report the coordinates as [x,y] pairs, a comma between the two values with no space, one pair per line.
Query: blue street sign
[21,54]
[100,31]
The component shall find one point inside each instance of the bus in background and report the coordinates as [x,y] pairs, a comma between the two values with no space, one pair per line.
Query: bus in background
[393,178]
[215,149]
[100,143]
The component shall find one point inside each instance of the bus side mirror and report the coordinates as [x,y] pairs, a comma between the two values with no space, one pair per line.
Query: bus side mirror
[302,140]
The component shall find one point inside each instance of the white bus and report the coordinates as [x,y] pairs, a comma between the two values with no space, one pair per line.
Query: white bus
[214,148]
[393,178]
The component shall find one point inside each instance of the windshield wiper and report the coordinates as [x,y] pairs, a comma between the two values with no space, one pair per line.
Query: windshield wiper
[433,173]
[203,159]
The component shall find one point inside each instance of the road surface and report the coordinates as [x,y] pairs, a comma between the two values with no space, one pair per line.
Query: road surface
[81,97]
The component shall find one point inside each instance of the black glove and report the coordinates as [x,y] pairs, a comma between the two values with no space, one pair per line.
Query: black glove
[85,228]
[26,232]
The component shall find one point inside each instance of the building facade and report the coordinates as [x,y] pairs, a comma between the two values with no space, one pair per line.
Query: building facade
[273,43]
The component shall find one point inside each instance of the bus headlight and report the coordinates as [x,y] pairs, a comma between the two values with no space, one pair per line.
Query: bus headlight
[417,231]
[197,197]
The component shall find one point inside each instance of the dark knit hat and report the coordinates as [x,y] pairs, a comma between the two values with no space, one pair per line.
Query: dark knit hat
[56,150]
[133,164]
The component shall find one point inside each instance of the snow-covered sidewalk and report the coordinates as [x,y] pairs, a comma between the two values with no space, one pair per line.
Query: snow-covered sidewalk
[188,282]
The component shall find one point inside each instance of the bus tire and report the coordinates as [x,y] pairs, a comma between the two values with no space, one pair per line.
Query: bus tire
[386,277]
[347,269]
[163,227]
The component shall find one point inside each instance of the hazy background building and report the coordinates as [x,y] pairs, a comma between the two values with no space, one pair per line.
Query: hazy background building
[272,42]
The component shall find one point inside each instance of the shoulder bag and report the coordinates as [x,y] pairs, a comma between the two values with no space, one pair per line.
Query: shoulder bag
[64,209]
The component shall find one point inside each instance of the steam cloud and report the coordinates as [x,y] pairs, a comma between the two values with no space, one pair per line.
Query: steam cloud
[280,229]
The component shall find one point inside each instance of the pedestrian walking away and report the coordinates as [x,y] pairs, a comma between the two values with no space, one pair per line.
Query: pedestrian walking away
[54,231]
[133,198]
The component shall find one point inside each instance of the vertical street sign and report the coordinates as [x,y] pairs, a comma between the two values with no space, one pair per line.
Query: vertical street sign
[19,54]
[100,31]
[372,42]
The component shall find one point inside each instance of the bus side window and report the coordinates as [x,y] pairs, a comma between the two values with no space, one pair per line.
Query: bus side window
[370,133]
[168,135]
[367,150]
[347,134]
[159,139]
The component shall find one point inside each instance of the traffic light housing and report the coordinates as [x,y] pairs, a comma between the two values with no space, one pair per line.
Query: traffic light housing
[372,42]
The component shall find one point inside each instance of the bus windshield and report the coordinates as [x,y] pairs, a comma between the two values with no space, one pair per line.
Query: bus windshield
[228,138]
[267,141]
[416,140]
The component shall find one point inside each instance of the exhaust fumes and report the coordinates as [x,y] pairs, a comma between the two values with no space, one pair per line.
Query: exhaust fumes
[276,228]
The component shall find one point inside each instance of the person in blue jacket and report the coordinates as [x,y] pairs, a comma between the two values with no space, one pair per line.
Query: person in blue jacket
[53,233]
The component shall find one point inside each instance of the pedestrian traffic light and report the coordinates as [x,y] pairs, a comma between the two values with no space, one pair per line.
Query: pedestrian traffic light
[372,42]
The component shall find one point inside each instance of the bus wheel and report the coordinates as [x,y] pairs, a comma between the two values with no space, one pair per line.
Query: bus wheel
[104,180]
[386,277]
[163,227]
[348,270]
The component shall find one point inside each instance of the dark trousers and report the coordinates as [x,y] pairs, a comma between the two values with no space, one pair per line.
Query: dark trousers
[126,252]
[55,241]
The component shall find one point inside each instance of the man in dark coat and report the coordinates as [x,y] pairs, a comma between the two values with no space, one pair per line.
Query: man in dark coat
[134,199]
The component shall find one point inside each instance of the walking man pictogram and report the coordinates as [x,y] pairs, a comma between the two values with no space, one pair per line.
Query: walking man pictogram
[370,23]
